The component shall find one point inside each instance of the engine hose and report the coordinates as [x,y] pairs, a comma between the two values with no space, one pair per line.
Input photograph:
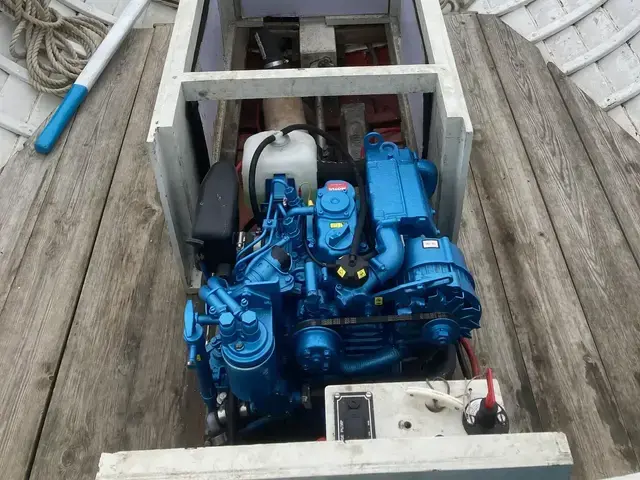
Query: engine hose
[312,129]
[331,140]
[371,363]
[231,410]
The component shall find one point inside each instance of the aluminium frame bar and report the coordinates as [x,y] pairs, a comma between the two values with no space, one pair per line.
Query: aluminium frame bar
[172,155]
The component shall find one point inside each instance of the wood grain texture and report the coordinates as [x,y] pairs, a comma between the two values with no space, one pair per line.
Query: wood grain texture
[42,300]
[24,182]
[614,154]
[600,261]
[496,343]
[123,384]
[568,380]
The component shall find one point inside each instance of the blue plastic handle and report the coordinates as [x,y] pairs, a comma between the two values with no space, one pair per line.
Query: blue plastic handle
[65,111]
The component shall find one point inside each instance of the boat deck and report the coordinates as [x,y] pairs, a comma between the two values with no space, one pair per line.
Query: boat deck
[91,351]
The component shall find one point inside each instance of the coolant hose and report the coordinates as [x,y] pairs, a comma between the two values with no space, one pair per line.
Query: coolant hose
[371,363]
[213,293]
[388,262]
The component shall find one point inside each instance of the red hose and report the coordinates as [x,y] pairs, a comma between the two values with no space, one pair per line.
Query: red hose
[490,399]
[473,360]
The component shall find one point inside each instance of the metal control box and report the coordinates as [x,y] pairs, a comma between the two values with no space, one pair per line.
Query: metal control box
[386,410]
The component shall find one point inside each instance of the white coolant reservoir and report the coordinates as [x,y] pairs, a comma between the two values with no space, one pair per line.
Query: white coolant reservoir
[294,155]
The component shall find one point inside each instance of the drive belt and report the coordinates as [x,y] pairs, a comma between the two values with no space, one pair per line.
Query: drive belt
[345,321]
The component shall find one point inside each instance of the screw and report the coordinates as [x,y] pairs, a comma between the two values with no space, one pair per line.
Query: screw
[336,395]
[306,353]
[327,353]
[368,395]
[244,302]
[239,346]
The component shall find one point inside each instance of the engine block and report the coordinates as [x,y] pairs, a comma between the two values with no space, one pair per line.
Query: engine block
[291,317]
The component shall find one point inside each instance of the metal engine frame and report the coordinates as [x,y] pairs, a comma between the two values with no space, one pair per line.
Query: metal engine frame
[172,154]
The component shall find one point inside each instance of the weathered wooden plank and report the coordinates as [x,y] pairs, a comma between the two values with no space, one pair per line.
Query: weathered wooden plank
[568,380]
[496,343]
[40,305]
[123,384]
[614,154]
[600,261]
[24,182]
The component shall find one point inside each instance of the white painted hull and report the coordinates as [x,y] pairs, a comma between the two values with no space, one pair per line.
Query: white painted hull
[22,108]
[596,42]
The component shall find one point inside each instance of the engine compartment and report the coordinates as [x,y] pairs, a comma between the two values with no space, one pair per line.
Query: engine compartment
[311,302]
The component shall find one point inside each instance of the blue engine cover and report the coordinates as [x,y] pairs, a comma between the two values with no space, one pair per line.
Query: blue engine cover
[336,219]
[283,321]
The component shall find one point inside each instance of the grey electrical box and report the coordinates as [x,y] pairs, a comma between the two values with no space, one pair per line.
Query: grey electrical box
[386,410]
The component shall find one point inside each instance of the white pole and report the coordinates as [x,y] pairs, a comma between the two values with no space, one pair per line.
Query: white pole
[87,78]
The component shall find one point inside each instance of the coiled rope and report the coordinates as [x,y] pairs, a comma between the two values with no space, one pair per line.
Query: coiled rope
[52,62]
[451,6]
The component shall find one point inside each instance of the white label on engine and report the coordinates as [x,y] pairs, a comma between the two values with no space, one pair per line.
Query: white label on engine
[430,244]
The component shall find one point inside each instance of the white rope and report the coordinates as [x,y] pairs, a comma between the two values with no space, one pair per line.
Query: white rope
[52,62]
[451,6]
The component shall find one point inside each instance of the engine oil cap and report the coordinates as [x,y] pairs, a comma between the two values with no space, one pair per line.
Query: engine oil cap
[352,270]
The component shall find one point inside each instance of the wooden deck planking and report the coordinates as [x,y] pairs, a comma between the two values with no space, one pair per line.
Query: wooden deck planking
[43,296]
[614,153]
[24,182]
[558,349]
[124,366]
[496,342]
[596,251]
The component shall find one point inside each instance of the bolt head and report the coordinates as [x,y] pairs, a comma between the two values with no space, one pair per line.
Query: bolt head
[368,395]
[306,353]
[239,346]
[326,353]
[249,318]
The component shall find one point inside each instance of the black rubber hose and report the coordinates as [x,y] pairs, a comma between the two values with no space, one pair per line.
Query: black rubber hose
[231,410]
[362,215]
[312,129]
[462,360]
[313,258]
[253,198]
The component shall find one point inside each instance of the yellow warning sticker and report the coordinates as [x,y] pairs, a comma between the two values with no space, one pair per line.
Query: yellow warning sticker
[198,358]
[336,225]
[378,301]
[362,273]
[310,203]
[342,272]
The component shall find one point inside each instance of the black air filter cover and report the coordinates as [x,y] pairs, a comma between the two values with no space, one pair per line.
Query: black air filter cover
[216,219]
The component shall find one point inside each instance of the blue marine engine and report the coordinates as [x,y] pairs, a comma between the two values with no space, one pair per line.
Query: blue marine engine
[292,314]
